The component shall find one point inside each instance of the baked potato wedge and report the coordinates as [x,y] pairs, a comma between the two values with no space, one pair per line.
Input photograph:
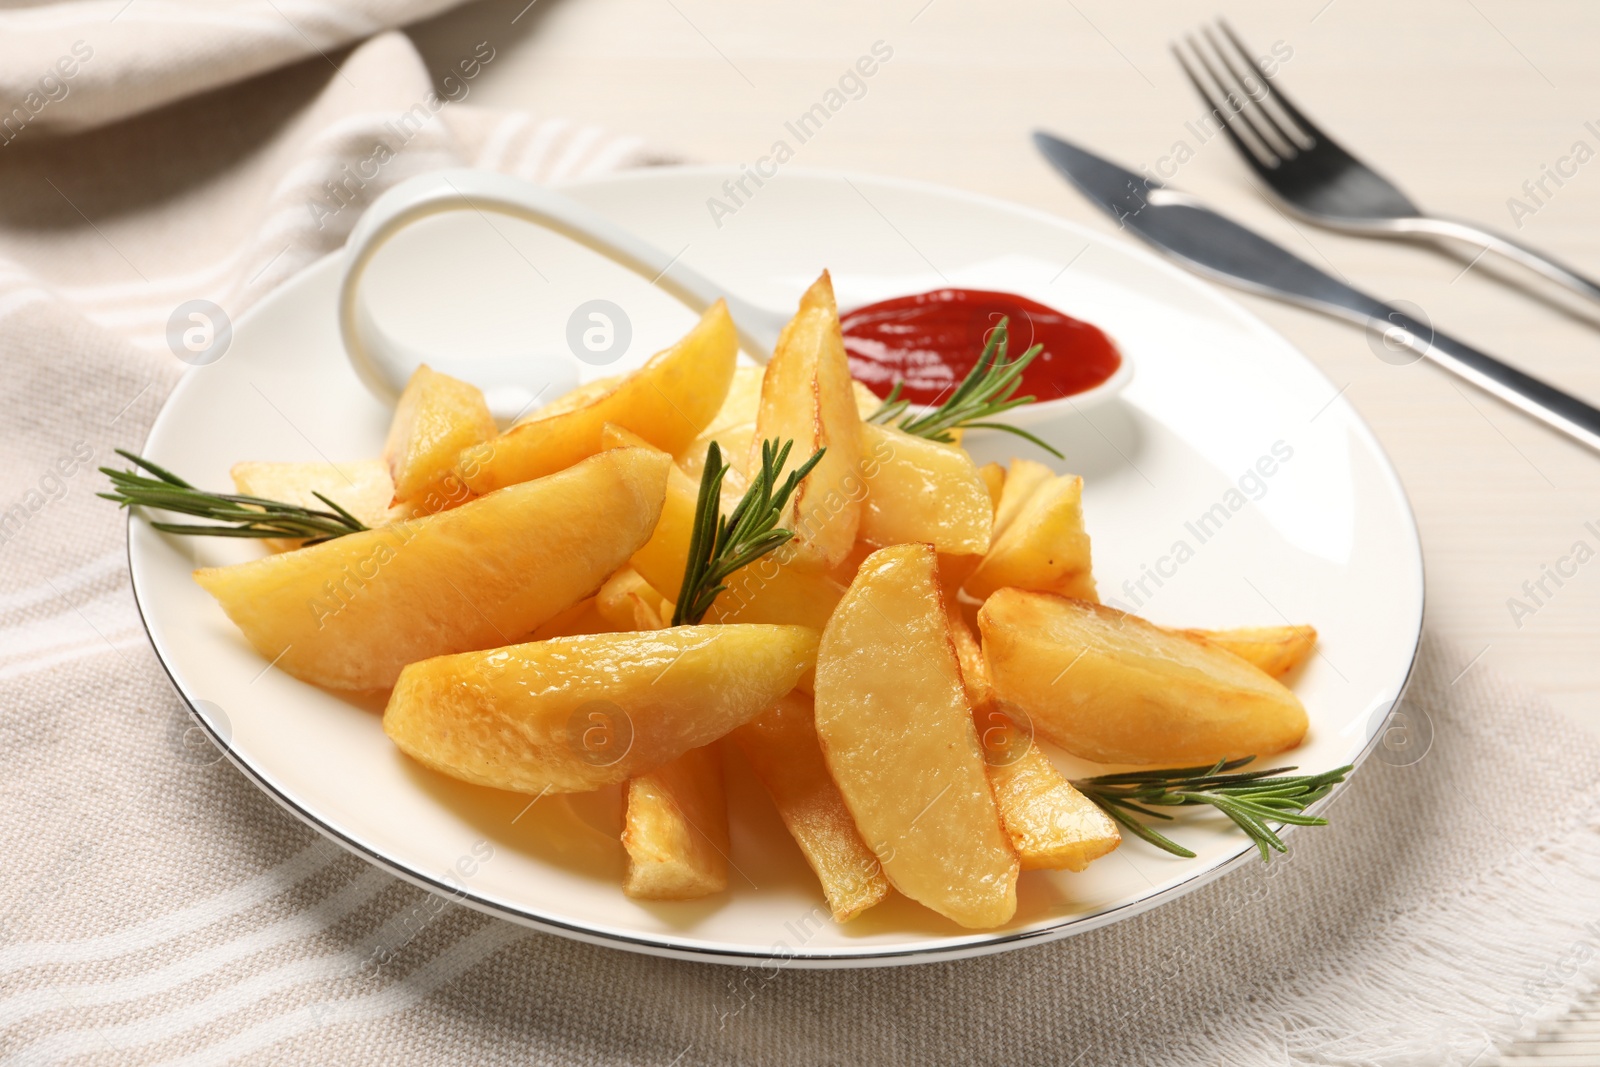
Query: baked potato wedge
[576,713]
[627,602]
[351,612]
[582,618]
[436,419]
[1111,687]
[1042,545]
[994,480]
[807,397]
[732,427]
[1051,824]
[1017,486]
[1277,650]
[923,491]
[781,747]
[668,402]
[362,488]
[897,734]
[675,829]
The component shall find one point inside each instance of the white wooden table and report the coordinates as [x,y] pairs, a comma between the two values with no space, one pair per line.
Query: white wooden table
[1461,101]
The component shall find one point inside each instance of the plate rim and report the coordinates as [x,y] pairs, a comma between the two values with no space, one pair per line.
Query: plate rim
[672,946]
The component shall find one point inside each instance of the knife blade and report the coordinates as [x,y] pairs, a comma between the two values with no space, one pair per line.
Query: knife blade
[1209,243]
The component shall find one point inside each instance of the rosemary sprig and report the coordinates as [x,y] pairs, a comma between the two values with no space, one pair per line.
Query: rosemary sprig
[245,516]
[985,392]
[1251,799]
[721,544]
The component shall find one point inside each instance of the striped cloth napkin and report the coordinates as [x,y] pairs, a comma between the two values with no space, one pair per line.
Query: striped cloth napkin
[157,908]
[75,64]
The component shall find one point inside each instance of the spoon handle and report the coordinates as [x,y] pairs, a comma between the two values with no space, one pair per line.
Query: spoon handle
[385,364]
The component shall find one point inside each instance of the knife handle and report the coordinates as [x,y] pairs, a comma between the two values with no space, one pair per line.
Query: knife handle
[1543,401]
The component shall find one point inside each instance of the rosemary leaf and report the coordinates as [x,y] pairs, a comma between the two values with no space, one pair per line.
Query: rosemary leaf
[239,516]
[721,544]
[1252,799]
[985,392]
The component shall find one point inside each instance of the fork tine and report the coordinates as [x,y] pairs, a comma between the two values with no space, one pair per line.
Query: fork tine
[1258,157]
[1234,89]
[1258,154]
[1253,82]
[1309,133]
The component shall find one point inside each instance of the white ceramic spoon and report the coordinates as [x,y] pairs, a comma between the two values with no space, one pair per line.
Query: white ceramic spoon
[385,363]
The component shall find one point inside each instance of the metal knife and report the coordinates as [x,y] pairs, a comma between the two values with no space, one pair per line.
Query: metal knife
[1213,245]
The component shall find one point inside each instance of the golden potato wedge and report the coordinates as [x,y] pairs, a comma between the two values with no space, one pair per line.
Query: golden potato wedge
[582,618]
[867,402]
[778,588]
[1052,826]
[668,402]
[923,491]
[1111,687]
[733,426]
[844,572]
[1021,480]
[969,659]
[662,558]
[735,442]
[576,713]
[1275,649]
[781,747]
[807,397]
[437,417]
[573,399]
[362,488]
[819,295]
[665,609]
[994,480]
[351,612]
[1000,739]
[954,572]
[676,830]
[1043,547]
[627,602]
[614,436]
[897,735]
[967,610]
[741,405]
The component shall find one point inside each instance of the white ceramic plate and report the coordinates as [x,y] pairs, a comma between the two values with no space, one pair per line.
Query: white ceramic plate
[1228,485]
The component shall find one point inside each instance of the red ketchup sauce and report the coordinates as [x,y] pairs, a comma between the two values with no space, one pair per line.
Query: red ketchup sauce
[931,340]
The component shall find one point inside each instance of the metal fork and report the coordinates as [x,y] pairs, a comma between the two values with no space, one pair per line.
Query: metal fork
[1316,178]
